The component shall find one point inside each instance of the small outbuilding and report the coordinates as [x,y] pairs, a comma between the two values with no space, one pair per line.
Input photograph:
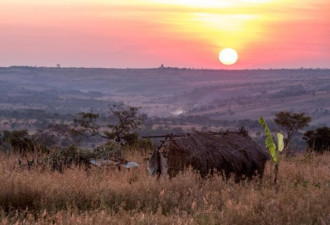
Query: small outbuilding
[230,152]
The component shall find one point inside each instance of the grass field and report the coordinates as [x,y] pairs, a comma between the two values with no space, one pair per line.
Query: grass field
[105,196]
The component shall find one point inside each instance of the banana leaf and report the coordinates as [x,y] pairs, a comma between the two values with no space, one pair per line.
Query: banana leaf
[280,142]
[269,140]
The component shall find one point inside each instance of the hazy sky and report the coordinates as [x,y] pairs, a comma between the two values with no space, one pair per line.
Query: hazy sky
[148,33]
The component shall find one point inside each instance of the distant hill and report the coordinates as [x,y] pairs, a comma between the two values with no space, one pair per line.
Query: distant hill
[164,92]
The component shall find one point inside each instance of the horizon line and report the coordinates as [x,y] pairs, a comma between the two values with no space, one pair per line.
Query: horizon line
[164,67]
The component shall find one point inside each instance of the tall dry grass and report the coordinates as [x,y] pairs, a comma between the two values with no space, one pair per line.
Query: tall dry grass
[101,196]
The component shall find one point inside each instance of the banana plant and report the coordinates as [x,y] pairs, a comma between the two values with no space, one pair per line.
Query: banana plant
[273,150]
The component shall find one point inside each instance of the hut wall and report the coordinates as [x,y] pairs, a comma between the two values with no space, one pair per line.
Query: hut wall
[177,159]
[230,153]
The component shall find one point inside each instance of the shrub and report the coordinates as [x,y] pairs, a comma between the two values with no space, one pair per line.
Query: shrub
[66,157]
[318,140]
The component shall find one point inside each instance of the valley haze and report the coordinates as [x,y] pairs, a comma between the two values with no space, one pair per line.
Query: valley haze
[167,92]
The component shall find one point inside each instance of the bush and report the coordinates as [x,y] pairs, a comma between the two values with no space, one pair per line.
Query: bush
[133,140]
[318,140]
[108,150]
[66,157]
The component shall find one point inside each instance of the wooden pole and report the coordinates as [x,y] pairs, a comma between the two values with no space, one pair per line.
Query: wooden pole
[181,135]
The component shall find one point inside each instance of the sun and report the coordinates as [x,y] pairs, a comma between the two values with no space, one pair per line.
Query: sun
[228,56]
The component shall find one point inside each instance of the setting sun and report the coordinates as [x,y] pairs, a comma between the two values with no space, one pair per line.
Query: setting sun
[228,56]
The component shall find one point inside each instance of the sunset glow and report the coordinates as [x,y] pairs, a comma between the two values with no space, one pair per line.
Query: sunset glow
[148,33]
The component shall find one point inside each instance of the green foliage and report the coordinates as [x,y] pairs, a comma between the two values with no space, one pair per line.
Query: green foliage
[271,146]
[133,140]
[318,140]
[269,140]
[144,144]
[62,158]
[280,142]
[20,141]
[107,150]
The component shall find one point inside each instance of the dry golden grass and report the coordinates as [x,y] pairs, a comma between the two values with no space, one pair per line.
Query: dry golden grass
[101,196]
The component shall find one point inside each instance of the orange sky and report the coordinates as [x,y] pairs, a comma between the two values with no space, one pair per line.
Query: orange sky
[182,33]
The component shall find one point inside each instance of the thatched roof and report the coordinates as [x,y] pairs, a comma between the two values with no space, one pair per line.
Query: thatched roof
[229,152]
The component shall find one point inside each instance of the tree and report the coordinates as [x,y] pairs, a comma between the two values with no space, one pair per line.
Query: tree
[57,134]
[123,120]
[86,125]
[318,140]
[127,119]
[290,123]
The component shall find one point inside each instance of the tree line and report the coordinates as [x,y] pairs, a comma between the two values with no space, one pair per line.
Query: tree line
[121,129]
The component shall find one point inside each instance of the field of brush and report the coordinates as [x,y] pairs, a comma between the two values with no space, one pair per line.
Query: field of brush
[107,196]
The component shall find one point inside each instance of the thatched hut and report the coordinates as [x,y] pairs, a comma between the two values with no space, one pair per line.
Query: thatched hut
[227,152]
